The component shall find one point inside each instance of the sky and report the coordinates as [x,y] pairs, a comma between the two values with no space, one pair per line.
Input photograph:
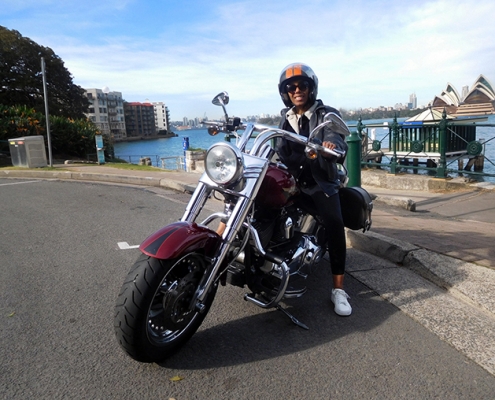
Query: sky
[365,53]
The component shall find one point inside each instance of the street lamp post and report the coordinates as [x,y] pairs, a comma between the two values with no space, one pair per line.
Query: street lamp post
[47,114]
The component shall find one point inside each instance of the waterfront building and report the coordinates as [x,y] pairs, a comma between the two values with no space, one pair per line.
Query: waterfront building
[139,119]
[106,111]
[162,116]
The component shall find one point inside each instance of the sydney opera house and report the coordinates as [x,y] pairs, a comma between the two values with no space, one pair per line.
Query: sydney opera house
[478,100]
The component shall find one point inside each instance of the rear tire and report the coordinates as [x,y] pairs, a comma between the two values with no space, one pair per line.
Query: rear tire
[153,318]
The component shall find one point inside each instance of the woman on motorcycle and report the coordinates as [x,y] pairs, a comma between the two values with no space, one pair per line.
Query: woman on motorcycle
[319,179]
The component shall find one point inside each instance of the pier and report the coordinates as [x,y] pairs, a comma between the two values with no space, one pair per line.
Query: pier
[440,146]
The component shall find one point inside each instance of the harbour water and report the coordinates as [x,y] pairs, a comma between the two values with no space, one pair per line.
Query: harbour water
[199,138]
[166,147]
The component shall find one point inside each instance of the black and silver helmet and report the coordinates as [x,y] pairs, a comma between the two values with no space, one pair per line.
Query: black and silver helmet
[299,71]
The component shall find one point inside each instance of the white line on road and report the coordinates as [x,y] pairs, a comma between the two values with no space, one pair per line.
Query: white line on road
[125,246]
[17,183]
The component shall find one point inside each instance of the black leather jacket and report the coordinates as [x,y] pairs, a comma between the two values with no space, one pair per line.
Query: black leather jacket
[312,174]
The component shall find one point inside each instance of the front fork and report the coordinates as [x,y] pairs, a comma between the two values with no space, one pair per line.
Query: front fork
[254,175]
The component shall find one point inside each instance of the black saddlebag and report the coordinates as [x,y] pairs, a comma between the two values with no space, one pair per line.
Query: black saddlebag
[356,204]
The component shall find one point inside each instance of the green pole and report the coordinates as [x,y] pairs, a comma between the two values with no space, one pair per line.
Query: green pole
[353,158]
[442,139]
[395,139]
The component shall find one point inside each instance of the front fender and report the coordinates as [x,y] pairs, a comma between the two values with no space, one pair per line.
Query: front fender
[178,238]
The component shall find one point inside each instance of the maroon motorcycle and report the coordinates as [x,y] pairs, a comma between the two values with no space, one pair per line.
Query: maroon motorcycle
[264,239]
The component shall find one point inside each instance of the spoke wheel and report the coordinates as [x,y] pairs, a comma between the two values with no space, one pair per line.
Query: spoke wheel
[170,311]
[155,314]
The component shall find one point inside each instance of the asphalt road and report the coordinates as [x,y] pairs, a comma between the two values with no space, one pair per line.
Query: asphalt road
[60,273]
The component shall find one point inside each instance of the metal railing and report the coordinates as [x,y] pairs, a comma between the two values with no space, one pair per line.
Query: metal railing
[135,159]
[174,163]
[171,163]
[434,148]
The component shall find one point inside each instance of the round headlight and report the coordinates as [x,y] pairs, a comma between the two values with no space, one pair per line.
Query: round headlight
[223,163]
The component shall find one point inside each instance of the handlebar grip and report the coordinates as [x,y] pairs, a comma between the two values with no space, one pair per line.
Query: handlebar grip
[335,152]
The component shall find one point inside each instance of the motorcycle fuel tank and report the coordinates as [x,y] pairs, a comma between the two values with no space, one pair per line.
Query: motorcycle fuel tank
[278,187]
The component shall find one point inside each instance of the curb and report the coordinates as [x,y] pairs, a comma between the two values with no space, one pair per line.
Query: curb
[411,182]
[467,281]
[396,201]
[97,177]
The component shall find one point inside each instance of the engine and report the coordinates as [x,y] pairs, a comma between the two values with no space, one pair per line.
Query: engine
[294,236]
[287,233]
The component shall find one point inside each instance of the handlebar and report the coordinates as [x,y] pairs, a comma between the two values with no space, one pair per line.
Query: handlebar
[211,123]
[267,133]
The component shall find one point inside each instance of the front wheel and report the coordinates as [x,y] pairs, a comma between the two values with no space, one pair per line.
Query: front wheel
[154,314]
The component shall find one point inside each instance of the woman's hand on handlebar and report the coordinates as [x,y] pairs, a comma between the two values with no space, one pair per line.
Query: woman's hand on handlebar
[330,146]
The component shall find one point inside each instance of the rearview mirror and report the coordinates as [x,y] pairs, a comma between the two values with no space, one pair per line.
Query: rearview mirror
[221,99]
[333,122]
[336,124]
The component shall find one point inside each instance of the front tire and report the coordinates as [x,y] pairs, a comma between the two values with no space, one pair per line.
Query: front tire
[153,315]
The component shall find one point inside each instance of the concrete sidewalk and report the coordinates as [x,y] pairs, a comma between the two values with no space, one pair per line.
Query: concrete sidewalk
[439,230]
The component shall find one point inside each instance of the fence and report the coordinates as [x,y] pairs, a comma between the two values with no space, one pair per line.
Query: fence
[135,159]
[172,163]
[438,148]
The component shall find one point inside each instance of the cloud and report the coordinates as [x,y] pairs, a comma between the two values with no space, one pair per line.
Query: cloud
[365,53]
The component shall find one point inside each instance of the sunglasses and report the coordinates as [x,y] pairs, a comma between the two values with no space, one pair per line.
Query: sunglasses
[292,87]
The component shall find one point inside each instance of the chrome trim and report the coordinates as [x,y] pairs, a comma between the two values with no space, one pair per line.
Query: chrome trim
[236,219]
[196,202]
[306,223]
[214,216]
[289,228]
[284,280]
[256,237]
[270,134]
[242,142]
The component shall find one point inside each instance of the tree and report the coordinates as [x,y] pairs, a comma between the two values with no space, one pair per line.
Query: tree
[19,121]
[69,137]
[21,81]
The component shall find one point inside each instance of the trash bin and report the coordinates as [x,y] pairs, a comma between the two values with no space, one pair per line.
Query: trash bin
[28,152]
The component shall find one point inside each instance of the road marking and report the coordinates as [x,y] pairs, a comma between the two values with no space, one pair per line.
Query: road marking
[17,183]
[125,246]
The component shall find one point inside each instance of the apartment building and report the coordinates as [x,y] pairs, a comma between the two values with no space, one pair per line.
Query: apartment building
[139,119]
[106,110]
[162,116]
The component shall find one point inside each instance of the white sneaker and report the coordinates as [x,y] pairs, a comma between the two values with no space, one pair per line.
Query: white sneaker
[342,306]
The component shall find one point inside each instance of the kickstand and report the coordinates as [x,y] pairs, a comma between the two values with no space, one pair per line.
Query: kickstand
[292,318]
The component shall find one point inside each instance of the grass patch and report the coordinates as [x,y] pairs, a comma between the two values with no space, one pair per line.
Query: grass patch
[116,165]
[133,167]
[112,165]
[12,168]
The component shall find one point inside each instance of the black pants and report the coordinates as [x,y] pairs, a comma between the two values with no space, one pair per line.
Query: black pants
[328,208]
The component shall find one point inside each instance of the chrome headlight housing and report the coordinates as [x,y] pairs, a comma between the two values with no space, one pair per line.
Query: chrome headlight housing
[224,164]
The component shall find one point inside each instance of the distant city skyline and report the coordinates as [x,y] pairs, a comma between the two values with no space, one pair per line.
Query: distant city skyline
[411,104]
